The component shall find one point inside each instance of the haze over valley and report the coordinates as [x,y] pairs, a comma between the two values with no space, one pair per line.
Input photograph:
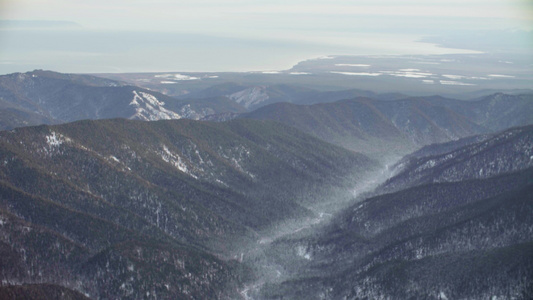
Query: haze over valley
[236,150]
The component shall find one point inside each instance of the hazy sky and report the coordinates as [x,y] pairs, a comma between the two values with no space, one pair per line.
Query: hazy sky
[233,35]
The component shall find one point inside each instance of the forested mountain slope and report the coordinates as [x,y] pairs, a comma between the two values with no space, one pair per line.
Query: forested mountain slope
[118,208]
[467,237]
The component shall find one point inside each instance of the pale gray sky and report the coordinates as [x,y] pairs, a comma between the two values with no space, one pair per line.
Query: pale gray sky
[288,31]
[209,16]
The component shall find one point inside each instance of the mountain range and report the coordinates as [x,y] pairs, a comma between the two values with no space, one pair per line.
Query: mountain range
[123,202]
[45,97]
[384,128]
[461,237]
[279,192]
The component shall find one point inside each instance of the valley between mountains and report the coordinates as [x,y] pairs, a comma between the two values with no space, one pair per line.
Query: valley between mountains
[248,191]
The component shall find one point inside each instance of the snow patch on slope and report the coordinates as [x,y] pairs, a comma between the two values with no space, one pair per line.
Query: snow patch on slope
[302,252]
[177,77]
[149,108]
[250,96]
[408,73]
[237,157]
[187,111]
[54,141]
[176,161]
[500,76]
[451,82]
[357,73]
[353,65]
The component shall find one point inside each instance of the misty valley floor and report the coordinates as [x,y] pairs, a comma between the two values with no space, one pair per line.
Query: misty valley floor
[264,263]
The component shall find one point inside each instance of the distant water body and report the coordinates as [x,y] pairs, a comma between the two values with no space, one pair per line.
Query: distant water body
[89,51]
